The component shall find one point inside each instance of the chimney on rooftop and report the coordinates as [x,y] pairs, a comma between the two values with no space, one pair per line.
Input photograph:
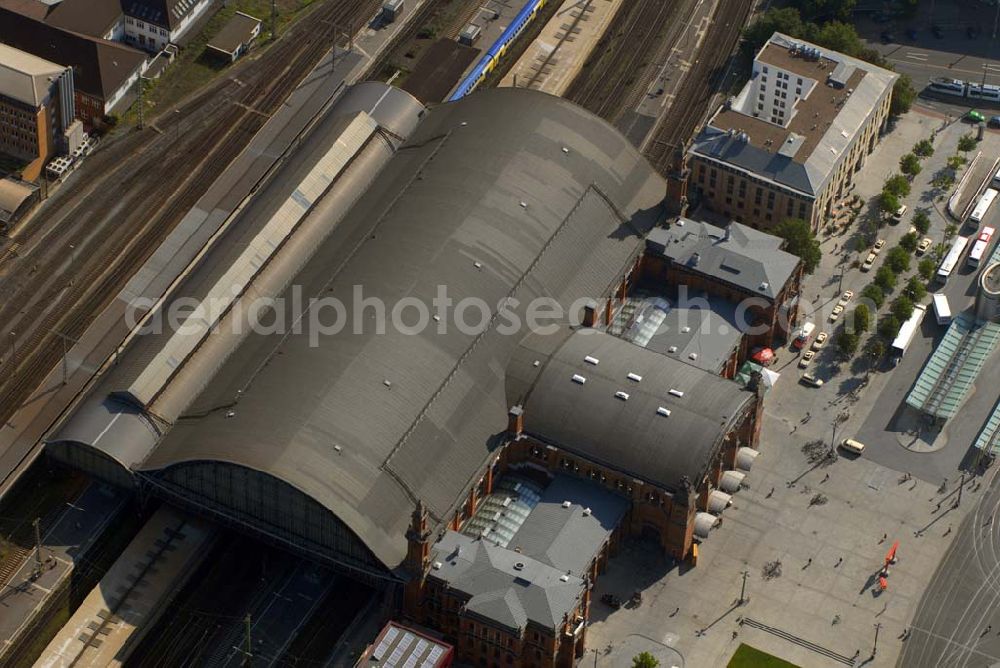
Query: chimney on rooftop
[515,421]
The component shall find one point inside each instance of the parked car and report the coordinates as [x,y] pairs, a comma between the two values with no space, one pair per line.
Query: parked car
[975,116]
[900,212]
[879,245]
[852,445]
[811,380]
[837,310]
[994,122]
[846,298]
[924,244]
[820,340]
[869,262]
[807,358]
[887,37]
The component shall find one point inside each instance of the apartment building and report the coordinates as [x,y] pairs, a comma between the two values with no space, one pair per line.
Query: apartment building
[36,107]
[152,24]
[104,72]
[788,145]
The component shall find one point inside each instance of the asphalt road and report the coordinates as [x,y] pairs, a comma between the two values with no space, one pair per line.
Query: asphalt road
[957,624]
[885,427]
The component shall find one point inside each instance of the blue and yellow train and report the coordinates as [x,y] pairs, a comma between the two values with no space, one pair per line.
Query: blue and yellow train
[493,55]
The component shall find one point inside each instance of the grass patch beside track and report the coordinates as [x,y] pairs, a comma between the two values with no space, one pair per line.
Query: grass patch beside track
[750,657]
[192,68]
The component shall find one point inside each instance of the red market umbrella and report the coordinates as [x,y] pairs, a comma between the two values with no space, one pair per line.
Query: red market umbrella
[763,356]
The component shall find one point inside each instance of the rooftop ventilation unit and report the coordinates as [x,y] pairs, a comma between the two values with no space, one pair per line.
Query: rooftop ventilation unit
[665,412]
[622,395]
[672,349]
[564,578]
[437,565]
[764,286]
[635,377]
[519,566]
[566,504]
[693,356]
[676,393]
[686,328]
[591,360]
[580,380]
[586,512]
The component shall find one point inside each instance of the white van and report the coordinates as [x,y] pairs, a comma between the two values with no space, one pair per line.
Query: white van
[851,445]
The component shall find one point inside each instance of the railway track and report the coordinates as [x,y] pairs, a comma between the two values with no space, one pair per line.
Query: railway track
[623,64]
[703,82]
[153,181]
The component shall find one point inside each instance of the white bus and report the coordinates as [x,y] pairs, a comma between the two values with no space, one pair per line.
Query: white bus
[996,178]
[980,246]
[983,205]
[942,310]
[951,259]
[907,332]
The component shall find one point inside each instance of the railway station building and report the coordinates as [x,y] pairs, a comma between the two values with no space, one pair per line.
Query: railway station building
[485,474]
[789,143]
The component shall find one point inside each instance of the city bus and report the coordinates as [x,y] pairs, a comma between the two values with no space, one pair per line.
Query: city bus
[942,309]
[980,246]
[951,259]
[983,205]
[907,332]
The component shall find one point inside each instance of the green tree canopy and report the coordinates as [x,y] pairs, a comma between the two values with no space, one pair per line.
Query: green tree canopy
[903,95]
[888,202]
[898,260]
[875,349]
[645,660]
[827,9]
[956,161]
[966,143]
[847,342]
[862,318]
[922,221]
[885,278]
[898,185]
[926,268]
[909,164]
[888,328]
[923,148]
[902,307]
[800,240]
[909,242]
[915,289]
[874,294]
[785,19]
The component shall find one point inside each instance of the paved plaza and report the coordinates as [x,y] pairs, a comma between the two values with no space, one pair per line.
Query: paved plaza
[828,523]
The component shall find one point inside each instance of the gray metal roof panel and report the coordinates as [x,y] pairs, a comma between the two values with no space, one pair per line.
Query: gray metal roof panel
[748,258]
[568,539]
[504,586]
[628,435]
[449,198]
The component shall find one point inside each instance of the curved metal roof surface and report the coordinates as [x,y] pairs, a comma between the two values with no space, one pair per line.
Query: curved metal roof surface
[506,194]
[628,434]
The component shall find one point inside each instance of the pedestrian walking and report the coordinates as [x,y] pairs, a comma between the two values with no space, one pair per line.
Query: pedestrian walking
[826,477]
[948,531]
[839,562]
[809,563]
[676,610]
[735,633]
[884,536]
[771,493]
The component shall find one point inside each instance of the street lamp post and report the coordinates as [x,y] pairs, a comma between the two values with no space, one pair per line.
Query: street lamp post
[743,587]
[878,626]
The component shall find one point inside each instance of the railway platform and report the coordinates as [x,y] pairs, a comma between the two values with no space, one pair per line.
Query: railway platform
[65,548]
[126,602]
[565,43]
